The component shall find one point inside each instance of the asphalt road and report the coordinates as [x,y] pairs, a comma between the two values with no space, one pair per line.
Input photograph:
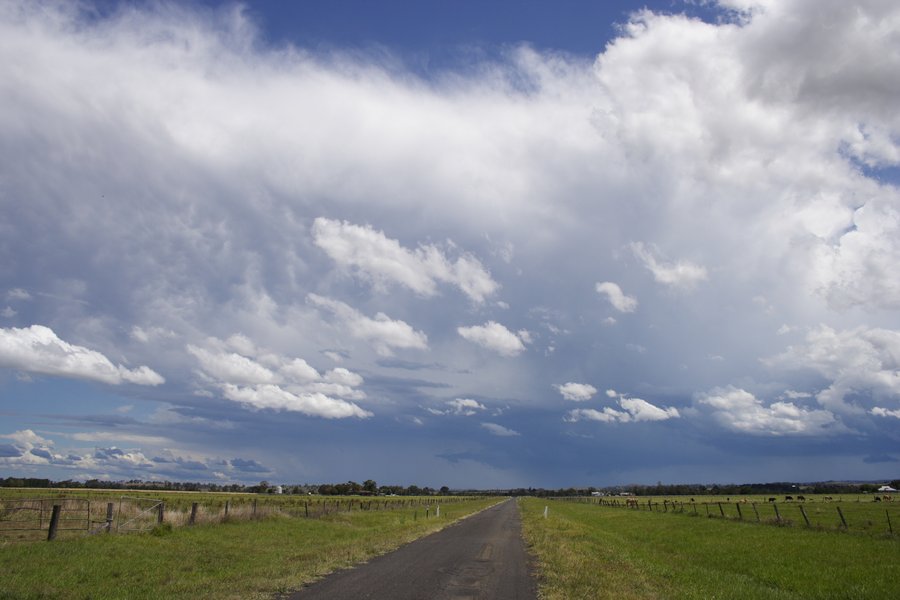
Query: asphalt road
[482,556]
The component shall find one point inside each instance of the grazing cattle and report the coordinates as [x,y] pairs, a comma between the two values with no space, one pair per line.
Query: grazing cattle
[887,498]
[827,498]
[771,499]
[877,499]
[788,498]
[801,498]
[631,503]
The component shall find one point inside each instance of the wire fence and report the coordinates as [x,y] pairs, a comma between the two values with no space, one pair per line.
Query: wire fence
[881,516]
[33,519]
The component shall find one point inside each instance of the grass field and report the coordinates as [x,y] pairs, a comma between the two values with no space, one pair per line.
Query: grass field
[235,559]
[861,513]
[589,551]
[21,509]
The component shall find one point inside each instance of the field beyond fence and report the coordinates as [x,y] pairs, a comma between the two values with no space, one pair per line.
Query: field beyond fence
[585,549]
[857,513]
[80,512]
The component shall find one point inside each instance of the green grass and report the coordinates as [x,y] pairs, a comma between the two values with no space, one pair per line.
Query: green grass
[238,559]
[587,551]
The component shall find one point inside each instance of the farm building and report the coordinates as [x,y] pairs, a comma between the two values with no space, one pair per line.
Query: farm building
[886,489]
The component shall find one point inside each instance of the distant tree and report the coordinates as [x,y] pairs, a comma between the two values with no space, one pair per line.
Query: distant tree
[369,485]
[445,490]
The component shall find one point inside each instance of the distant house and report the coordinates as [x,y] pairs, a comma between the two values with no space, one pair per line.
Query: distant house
[279,489]
[886,488]
[597,494]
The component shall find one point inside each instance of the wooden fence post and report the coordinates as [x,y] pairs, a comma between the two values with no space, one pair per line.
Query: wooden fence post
[803,512]
[193,518]
[740,514]
[54,523]
[160,512]
[843,520]
[254,508]
[227,506]
[306,509]
[890,527]
[109,516]
[721,510]
[777,514]
[756,512]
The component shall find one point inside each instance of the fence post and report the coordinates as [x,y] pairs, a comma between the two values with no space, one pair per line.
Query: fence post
[890,527]
[545,511]
[437,511]
[254,508]
[306,509]
[695,507]
[721,510]
[740,514]
[109,517]
[227,506]
[777,514]
[193,518]
[803,512]
[843,520]
[54,523]
[161,512]
[756,512]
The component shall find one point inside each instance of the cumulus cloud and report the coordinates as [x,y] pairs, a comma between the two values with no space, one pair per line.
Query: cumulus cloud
[578,392]
[499,430]
[634,410]
[375,256]
[861,359]
[37,349]
[231,367]
[879,411]
[384,333]
[279,399]
[291,384]
[494,336]
[465,407]
[680,274]
[617,297]
[741,411]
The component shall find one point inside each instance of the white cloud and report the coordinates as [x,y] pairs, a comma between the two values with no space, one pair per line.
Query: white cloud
[500,430]
[634,410]
[861,359]
[231,367]
[879,411]
[37,349]
[292,384]
[618,299]
[741,411]
[465,407]
[343,376]
[680,274]
[384,333]
[578,392]
[493,336]
[276,398]
[9,312]
[300,370]
[382,259]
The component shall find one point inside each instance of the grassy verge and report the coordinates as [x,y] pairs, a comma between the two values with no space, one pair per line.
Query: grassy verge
[586,551]
[239,559]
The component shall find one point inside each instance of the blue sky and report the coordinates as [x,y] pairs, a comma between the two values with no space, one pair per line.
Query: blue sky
[465,244]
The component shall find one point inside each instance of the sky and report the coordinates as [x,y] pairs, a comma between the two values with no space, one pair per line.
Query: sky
[472,244]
